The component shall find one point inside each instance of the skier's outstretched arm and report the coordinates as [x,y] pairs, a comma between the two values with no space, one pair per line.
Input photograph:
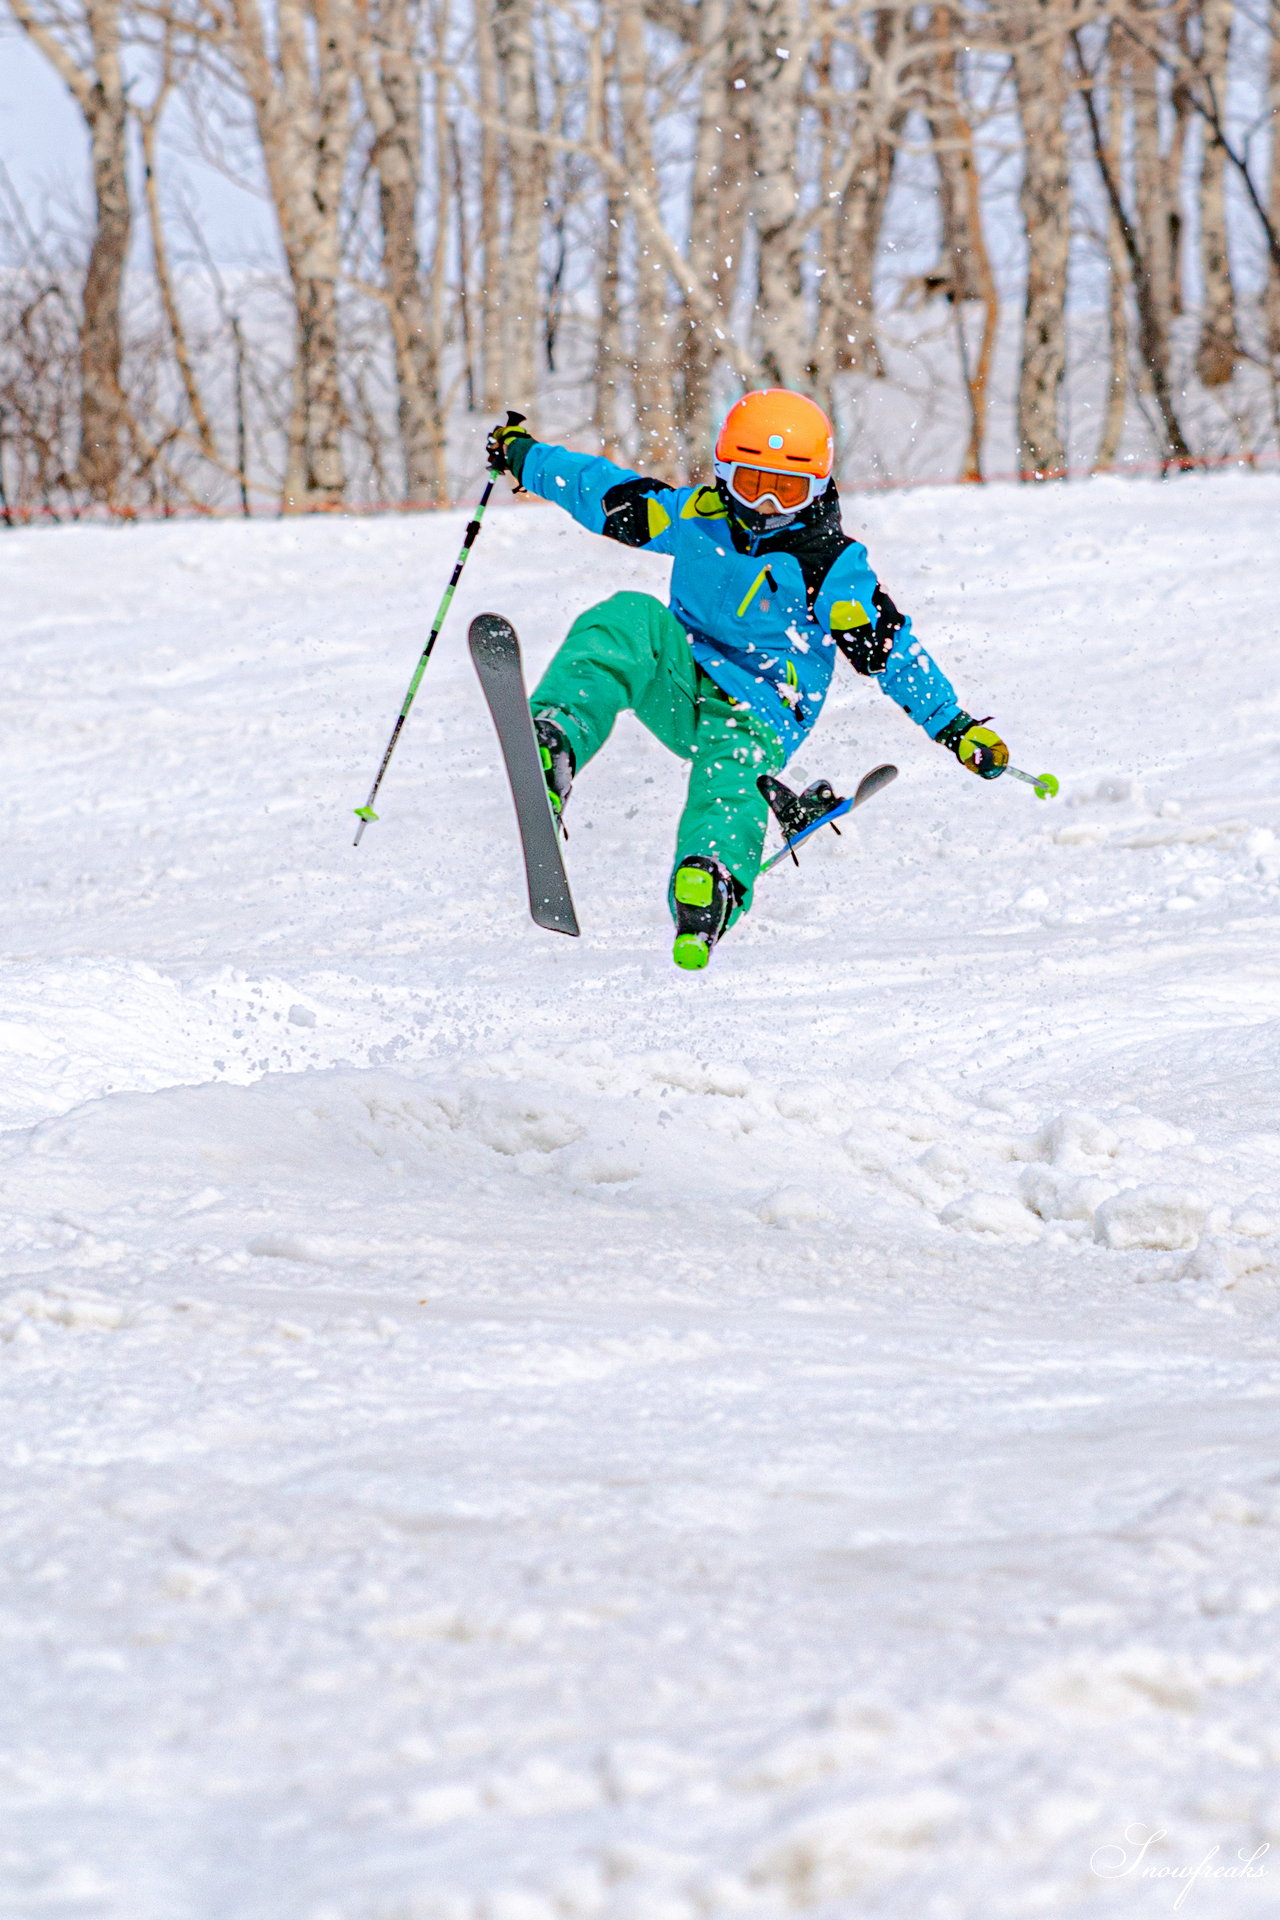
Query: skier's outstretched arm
[877,640]
[604,497]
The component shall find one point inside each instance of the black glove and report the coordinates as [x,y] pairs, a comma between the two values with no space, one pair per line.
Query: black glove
[507,445]
[975,746]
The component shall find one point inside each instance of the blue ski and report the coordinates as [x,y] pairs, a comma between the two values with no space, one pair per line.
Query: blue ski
[870,783]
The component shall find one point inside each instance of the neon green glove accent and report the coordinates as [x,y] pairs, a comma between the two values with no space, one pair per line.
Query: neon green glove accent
[975,746]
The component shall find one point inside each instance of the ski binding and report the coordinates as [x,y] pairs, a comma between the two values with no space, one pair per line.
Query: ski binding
[800,815]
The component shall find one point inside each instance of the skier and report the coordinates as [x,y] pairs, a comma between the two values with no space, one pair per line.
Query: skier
[732,675]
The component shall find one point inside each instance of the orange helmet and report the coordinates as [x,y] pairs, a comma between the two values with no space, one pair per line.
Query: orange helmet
[779,430]
[775,450]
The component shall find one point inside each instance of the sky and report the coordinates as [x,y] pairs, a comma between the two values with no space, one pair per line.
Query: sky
[44,149]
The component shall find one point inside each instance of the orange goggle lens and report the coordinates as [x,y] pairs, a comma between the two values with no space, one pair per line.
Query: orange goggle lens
[753,483]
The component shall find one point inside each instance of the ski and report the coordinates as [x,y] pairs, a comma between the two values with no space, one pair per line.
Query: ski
[495,650]
[869,785]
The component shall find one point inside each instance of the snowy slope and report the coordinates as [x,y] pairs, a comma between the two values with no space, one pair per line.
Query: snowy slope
[497,1429]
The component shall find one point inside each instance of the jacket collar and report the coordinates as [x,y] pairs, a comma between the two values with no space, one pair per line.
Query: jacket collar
[815,537]
[817,524]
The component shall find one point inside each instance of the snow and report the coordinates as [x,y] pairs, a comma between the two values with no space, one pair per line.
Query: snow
[495,1428]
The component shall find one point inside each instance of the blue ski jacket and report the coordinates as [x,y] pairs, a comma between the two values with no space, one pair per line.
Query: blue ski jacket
[765,611]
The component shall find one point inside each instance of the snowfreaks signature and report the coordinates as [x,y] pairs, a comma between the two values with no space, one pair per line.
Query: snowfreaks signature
[1116,1862]
[766,588]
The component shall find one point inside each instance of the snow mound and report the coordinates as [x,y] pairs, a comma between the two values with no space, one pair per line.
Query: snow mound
[1164,1217]
[494,1429]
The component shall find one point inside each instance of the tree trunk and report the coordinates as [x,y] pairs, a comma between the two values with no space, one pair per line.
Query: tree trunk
[392,88]
[962,247]
[652,384]
[1154,205]
[697,347]
[1040,77]
[1273,282]
[862,206]
[304,124]
[1174,450]
[966,264]
[861,174]
[1182,119]
[436,269]
[733,198]
[315,475]
[98,87]
[1113,419]
[491,369]
[103,411]
[608,366]
[526,170]
[778,57]
[1219,344]
[466,260]
[148,127]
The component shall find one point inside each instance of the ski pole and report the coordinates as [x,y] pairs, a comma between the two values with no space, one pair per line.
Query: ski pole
[1045,784]
[366,813]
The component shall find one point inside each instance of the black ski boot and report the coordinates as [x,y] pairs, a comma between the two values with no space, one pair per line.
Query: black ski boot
[705,894]
[557,763]
[796,811]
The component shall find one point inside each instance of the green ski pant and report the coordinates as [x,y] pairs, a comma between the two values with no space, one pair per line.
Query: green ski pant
[630,651]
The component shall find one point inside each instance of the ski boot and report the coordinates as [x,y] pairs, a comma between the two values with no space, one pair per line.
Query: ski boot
[705,894]
[557,764]
[794,812]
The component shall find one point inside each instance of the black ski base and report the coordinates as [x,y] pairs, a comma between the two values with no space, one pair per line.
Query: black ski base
[495,650]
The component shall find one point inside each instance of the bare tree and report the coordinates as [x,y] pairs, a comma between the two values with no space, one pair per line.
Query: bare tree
[1038,36]
[1174,450]
[492,371]
[775,78]
[1116,410]
[1219,344]
[1154,201]
[656,199]
[298,77]
[84,47]
[526,193]
[39,363]
[389,67]
[149,118]
[609,349]
[965,270]
[653,386]
[1273,281]
[715,216]
[862,140]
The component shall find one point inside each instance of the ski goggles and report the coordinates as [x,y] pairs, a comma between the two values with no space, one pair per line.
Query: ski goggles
[788,492]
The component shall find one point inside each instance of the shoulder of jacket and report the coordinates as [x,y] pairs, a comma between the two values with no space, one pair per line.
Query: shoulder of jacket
[702,503]
[852,557]
[847,590]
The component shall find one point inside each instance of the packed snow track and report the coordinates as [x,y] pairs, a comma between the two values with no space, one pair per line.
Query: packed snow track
[495,1428]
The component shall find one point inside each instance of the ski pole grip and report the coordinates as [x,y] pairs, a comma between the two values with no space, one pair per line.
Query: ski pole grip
[515,419]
